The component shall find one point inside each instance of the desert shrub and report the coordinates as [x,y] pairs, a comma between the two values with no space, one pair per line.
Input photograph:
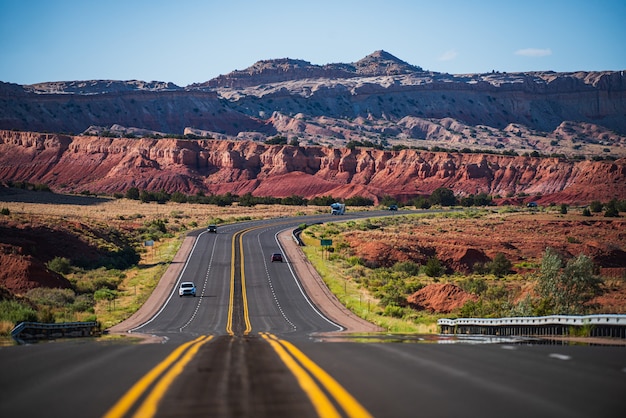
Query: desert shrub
[421,203]
[612,210]
[596,206]
[178,197]
[586,212]
[132,193]
[60,265]
[472,309]
[410,268]
[46,315]
[475,286]
[55,298]
[355,261]
[5,211]
[433,267]
[83,303]
[499,266]
[394,311]
[563,209]
[16,312]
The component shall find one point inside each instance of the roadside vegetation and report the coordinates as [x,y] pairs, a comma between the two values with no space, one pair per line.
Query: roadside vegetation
[122,270]
[112,284]
[379,289]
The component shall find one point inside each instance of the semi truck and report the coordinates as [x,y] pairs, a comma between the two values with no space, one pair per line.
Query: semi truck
[337,209]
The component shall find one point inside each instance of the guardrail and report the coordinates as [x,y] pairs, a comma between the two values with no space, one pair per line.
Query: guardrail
[591,325]
[26,332]
[296,236]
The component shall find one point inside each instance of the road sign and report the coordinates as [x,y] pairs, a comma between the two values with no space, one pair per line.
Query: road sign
[326,242]
[149,243]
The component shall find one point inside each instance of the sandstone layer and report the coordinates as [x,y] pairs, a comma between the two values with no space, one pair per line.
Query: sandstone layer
[113,165]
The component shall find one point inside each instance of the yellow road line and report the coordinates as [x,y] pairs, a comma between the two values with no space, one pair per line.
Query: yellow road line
[128,400]
[347,402]
[149,407]
[323,406]
[244,293]
[231,301]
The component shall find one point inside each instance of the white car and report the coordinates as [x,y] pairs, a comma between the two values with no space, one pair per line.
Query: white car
[187,288]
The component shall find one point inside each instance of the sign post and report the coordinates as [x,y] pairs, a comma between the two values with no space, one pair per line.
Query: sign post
[326,244]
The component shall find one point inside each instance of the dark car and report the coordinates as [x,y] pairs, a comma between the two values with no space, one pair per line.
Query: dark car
[212,228]
[277,257]
[393,207]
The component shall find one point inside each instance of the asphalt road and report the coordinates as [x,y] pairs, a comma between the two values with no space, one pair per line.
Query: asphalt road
[250,345]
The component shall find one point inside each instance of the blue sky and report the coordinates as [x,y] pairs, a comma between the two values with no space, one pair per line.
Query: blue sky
[187,41]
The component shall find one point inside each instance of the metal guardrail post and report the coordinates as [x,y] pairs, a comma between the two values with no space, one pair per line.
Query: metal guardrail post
[34,331]
[601,325]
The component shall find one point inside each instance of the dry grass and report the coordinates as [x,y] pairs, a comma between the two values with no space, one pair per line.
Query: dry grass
[42,204]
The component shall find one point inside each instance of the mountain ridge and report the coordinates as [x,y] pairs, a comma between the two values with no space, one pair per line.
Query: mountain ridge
[379,99]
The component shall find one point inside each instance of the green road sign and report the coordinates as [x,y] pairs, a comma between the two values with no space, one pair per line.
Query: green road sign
[326,242]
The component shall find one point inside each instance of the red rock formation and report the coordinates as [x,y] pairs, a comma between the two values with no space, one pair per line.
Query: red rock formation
[440,298]
[109,165]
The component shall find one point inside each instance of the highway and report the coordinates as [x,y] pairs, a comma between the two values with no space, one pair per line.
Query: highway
[252,344]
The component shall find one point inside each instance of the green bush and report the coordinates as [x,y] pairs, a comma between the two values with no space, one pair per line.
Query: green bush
[433,267]
[16,312]
[410,268]
[56,298]
[500,266]
[596,206]
[60,265]
[394,311]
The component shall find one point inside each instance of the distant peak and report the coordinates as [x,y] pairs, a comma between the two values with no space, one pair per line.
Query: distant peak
[383,63]
[384,55]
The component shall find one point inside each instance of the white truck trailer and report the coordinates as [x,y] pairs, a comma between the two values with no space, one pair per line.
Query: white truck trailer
[337,209]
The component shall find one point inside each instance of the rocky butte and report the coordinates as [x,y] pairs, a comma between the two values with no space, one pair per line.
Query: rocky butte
[116,132]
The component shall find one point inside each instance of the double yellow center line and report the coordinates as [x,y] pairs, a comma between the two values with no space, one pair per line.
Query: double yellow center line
[166,371]
[316,382]
[231,303]
[318,385]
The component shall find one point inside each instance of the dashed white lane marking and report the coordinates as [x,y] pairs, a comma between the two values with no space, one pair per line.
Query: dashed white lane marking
[560,356]
[206,280]
[269,279]
[508,347]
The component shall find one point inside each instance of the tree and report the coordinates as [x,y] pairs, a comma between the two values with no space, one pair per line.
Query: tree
[500,266]
[596,206]
[247,200]
[60,265]
[442,196]
[132,193]
[563,209]
[433,267]
[564,290]
[611,210]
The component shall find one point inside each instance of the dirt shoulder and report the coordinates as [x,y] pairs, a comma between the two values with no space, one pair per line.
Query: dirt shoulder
[317,290]
[160,293]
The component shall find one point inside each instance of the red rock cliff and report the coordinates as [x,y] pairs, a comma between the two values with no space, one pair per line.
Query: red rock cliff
[108,165]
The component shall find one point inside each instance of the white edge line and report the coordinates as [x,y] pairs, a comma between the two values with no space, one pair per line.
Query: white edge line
[173,289]
[306,297]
